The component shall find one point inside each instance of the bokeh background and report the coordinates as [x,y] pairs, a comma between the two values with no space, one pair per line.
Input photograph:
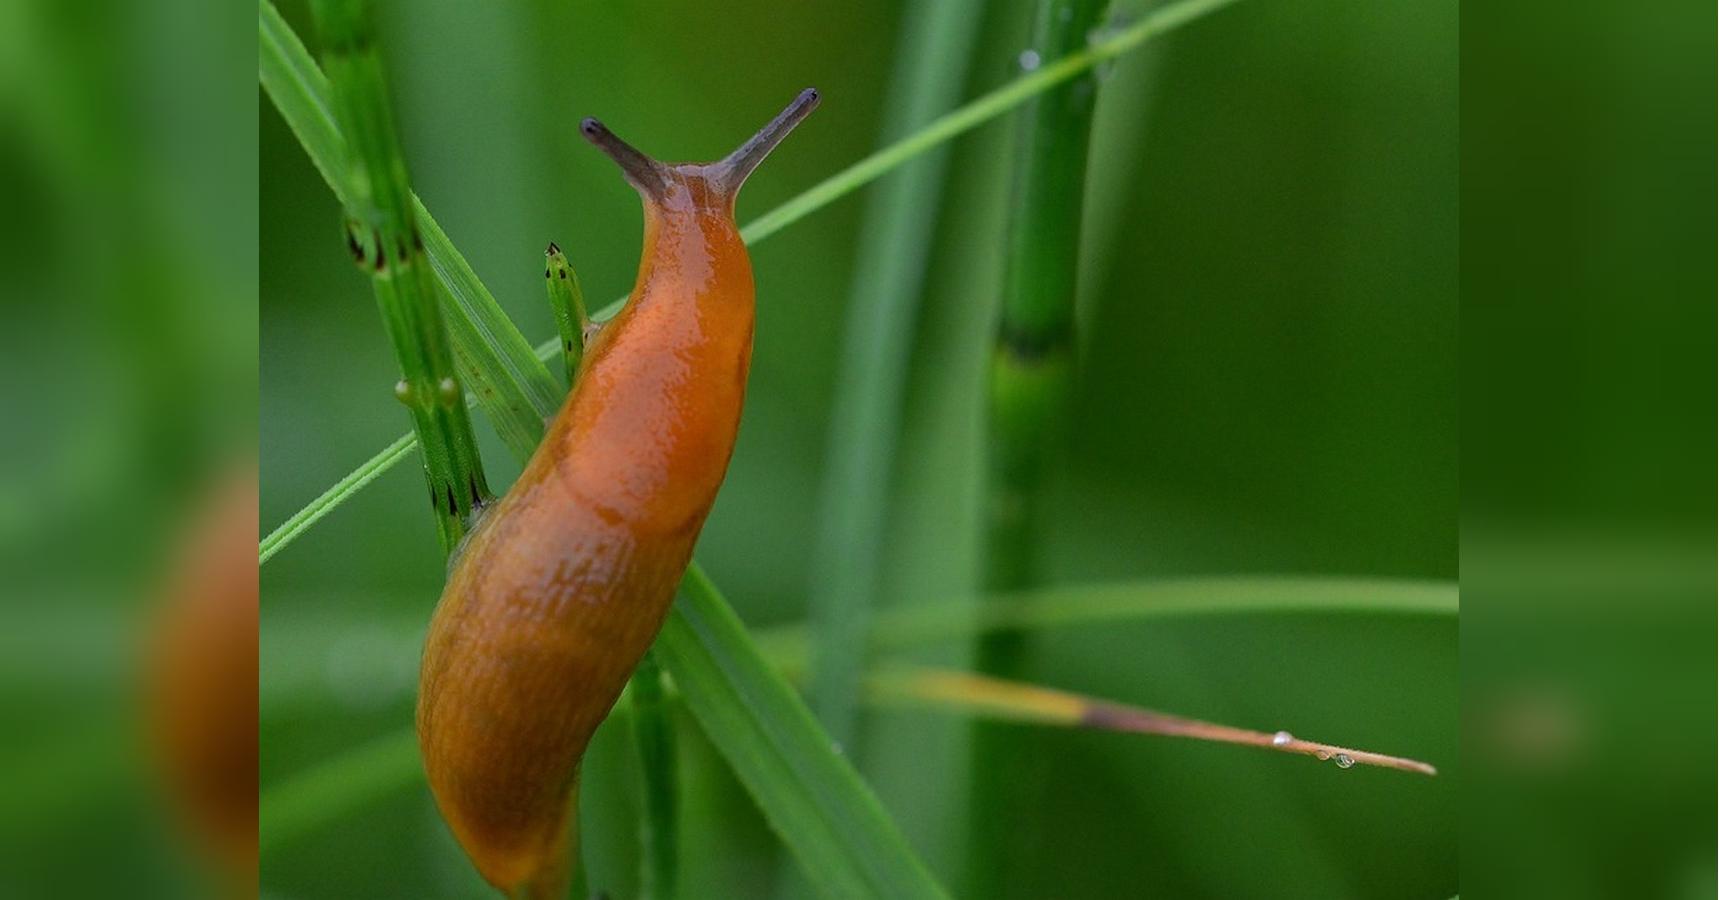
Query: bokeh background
[1270,386]
[128,379]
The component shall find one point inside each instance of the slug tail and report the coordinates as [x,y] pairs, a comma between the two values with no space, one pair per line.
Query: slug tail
[732,171]
[553,876]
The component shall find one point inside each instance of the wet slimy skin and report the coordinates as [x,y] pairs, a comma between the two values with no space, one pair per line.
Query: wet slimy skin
[564,583]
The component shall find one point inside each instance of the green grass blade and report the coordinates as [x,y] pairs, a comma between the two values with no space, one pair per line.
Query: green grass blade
[334,496]
[825,814]
[979,111]
[813,797]
[931,63]
[659,831]
[1153,600]
[292,88]
[509,381]
[335,788]
[299,90]
[515,389]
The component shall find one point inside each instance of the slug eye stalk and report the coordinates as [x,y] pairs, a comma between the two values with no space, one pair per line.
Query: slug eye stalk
[725,176]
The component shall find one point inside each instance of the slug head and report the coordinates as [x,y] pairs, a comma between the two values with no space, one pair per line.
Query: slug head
[710,185]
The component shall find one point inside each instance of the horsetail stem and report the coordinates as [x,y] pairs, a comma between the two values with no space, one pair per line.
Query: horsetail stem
[1031,368]
[567,302]
[383,237]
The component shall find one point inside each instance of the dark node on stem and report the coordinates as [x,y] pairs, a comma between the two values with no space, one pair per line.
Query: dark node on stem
[642,172]
[545,273]
[732,171]
[563,274]
[1029,345]
[417,240]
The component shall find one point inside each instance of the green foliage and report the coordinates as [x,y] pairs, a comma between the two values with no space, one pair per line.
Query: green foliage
[1275,400]
[757,712]
[934,52]
[385,241]
[813,798]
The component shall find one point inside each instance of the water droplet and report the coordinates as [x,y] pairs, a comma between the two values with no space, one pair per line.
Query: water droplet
[1344,760]
[1029,60]
[449,390]
[403,391]
[1281,739]
[1322,754]
[836,747]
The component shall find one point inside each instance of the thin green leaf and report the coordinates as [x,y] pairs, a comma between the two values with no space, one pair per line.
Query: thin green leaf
[653,732]
[935,47]
[825,814]
[292,87]
[1194,599]
[812,796]
[1136,601]
[509,382]
[334,496]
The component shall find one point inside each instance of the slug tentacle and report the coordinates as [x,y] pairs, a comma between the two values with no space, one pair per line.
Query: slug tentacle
[724,178]
[732,171]
[564,582]
[650,177]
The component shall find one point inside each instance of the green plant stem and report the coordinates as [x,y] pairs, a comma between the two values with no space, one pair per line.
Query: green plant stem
[494,359]
[822,810]
[295,87]
[1032,365]
[931,62]
[322,794]
[567,302]
[384,238]
[654,732]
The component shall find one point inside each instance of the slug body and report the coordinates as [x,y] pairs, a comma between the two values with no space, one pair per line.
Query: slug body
[562,586]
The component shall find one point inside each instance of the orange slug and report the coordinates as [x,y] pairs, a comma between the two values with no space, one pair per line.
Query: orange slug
[564,583]
[202,683]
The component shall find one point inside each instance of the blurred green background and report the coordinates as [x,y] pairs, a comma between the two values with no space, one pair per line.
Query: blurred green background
[1269,386]
[128,344]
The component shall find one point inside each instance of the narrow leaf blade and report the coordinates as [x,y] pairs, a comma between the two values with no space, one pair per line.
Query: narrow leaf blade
[812,796]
